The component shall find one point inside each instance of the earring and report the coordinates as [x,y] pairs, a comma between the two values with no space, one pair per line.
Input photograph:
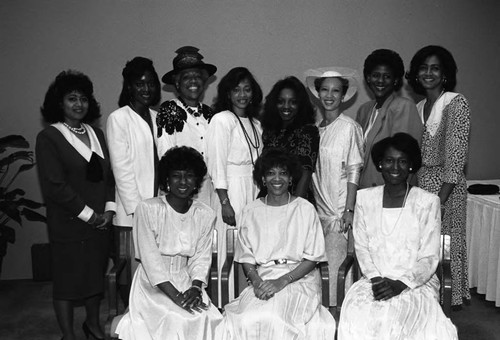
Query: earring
[263,182]
[291,182]
[444,80]
[380,166]
[410,169]
[168,187]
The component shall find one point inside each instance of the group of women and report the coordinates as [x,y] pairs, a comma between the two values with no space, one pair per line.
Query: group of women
[286,179]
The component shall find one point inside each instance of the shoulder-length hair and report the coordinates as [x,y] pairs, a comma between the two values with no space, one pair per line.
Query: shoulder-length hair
[271,119]
[134,70]
[276,157]
[229,82]
[448,64]
[402,142]
[67,82]
[389,58]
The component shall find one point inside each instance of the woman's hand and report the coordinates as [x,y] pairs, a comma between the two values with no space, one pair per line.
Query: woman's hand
[384,288]
[105,220]
[193,299]
[346,221]
[228,215]
[177,297]
[268,288]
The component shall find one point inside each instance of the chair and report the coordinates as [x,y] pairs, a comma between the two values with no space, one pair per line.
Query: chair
[232,266]
[443,272]
[114,311]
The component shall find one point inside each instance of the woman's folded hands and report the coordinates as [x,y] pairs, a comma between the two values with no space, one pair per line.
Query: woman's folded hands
[385,288]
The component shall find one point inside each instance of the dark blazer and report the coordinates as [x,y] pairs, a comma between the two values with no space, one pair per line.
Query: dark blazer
[63,179]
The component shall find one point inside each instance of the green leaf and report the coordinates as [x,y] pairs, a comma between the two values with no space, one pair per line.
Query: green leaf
[33,215]
[13,141]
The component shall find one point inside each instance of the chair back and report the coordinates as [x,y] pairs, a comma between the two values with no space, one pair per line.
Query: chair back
[229,266]
[213,273]
[444,274]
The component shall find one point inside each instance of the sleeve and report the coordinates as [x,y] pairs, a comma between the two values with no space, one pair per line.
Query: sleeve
[456,139]
[307,147]
[110,180]
[361,240]
[200,262]
[53,180]
[146,247]
[243,248]
[355,150]
[314,248]
[218,144]
[405,118]
[428,252]
[122,162]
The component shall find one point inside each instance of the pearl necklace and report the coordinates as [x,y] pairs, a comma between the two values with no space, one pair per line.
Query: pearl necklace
[79,131]
[400,213]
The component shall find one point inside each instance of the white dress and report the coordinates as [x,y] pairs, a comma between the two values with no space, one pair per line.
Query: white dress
[268,233]
[230,166]
[340,146]
[400,244]
[172,247]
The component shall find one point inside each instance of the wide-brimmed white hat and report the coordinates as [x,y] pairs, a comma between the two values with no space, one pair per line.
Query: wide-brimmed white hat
[327,72]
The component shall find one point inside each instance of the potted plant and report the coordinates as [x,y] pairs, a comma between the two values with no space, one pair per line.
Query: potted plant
[13,205]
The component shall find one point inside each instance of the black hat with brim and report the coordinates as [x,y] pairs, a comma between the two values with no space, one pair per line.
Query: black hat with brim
[187,57]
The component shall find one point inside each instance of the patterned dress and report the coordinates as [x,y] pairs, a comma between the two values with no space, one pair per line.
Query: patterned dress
[302,142]
[444,153]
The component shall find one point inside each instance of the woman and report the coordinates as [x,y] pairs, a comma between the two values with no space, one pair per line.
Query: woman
[388,113]
[173,240]
[234,142]
[279,243]
[134,159]
[446,117]
[335,181]
[397,241]
[78,189]
[288,123]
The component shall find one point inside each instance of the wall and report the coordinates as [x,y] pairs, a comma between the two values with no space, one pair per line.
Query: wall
[272,38]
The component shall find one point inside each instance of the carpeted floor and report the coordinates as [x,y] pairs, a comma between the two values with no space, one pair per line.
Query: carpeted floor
[26,314]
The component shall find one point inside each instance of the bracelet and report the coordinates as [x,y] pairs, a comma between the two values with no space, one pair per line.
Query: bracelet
[251,270]
[196,287]
[224,201]
[290,277]
[349,210]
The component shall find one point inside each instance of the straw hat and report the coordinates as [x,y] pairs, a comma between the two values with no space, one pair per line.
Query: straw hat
[187,57]
[327,72]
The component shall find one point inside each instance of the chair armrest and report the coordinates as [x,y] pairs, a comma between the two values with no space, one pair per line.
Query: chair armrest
[341,277]
[111,287]
[213,289]
[325,284]
[446,286]
[226,270]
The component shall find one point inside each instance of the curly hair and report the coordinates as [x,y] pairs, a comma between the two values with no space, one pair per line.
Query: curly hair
[389,58]
[276,158]
[402,142]
[67,82]
[345,83]
[271,119]
[229,82]
[448,64]
[181,158]
[134,70]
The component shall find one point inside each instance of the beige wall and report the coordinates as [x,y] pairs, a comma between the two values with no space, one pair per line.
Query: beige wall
[272,38]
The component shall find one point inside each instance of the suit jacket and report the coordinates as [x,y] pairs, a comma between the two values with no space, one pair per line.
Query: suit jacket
[131,147]
[397,114]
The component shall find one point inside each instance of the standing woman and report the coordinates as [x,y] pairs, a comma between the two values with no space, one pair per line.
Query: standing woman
[78,189]
[388,113]
[288,123]
[132,148]
[340,159]
[445,142]
[234,143]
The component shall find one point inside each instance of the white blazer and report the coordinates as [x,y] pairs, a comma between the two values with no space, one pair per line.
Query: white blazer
[131,149]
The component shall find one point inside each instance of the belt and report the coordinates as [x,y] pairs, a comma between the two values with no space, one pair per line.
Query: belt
[278,261]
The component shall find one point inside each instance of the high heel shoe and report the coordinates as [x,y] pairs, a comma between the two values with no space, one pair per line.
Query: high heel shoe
[88,332]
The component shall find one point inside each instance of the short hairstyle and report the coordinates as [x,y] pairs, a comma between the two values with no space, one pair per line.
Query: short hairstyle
[276,157]
[133,71]
[402,142]
[229,82]
[271,119]
[182,158]
[67,82]
[389,58]
[446,60]
[319,81]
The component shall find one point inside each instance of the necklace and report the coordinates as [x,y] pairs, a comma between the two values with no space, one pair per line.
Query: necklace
[192,112]
[250,144]
[400,213]
[79,131]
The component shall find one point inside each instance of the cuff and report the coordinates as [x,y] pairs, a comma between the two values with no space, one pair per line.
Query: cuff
[86,214]
[110,206]
[220,184]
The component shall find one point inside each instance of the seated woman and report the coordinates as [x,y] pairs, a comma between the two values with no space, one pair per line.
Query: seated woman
[397,238]
[279,243]
[173,240]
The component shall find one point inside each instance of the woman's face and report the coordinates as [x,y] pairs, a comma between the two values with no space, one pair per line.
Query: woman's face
[430,74]
[241,97]
[143,91]
[381,81]
[191,85]
[75,106]
[395,166]
[277,181]
[182,183]
[287,105]
[330,93]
